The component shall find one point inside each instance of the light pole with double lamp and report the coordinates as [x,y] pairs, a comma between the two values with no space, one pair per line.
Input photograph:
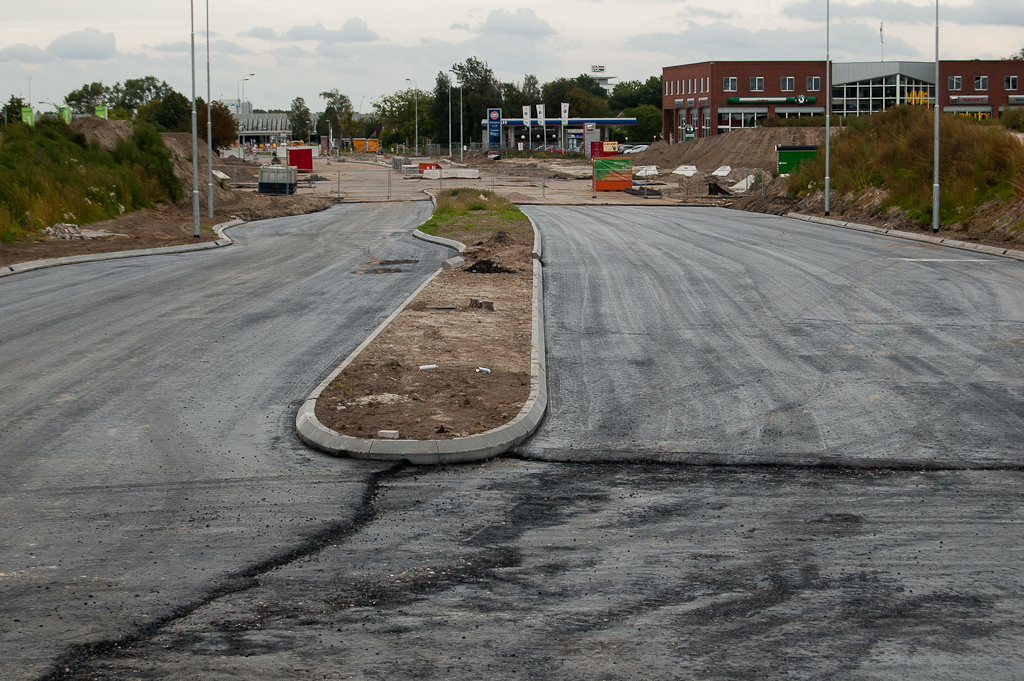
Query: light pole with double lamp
[238,108]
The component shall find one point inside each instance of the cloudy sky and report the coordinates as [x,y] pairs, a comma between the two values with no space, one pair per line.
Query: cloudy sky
[368,49]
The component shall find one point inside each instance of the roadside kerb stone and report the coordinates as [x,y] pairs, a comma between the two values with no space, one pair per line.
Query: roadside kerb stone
[428,452]
[117,255]
[911,236]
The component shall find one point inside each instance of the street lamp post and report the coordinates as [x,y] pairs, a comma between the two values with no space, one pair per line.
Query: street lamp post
[416,94]
[195,126]
[238,108]
[449,119]
[462,126]
[209,121]
[828,113]
[935,163]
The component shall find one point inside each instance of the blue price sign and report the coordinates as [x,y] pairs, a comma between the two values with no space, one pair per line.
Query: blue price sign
[494,128]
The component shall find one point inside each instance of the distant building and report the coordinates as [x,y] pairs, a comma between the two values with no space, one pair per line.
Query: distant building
[600,73]
[708,98]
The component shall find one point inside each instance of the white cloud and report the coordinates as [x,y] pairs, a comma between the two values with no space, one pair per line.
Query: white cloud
[88,44]
[524,23]
[355,30]
[725,42]
[26,54]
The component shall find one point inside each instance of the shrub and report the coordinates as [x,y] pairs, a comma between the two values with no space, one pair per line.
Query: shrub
[50,174]
[894,149]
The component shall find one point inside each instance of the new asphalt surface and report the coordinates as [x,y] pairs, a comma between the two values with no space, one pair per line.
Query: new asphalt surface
[146,421]
[861,516]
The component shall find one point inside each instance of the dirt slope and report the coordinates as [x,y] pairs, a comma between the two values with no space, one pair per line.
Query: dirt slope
[748,148]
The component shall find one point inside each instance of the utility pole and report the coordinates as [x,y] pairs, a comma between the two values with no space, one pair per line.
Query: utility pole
[209,120]
[416,94]
[938,108]
[195,128]
[828,113]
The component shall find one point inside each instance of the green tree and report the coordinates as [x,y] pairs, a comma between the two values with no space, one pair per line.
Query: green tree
[339,114]
[581,102]
[299,119]
[224,129]
[480,91]
[138,91]
[12,110]
[514,96]
[174,113]
[1016,56]
[632,93]
[396,118]
[648,124]
[439,110]
[85,99]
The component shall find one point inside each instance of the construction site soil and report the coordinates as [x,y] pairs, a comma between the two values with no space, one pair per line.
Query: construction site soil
[479,356]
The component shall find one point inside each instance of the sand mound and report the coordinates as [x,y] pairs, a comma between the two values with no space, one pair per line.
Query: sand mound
[748,148]
[103,132]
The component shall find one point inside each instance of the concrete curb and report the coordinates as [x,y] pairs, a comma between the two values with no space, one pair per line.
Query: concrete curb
[457,246]
[911,236]
[117,255]
[429,452]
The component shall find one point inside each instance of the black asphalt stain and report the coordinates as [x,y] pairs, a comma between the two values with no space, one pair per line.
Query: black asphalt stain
[245,579]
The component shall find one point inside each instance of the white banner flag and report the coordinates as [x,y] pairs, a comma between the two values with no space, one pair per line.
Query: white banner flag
[565,113]
[526,115]
[540,114]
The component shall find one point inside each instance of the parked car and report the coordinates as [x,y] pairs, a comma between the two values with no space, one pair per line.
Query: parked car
[624,148]
[635,150]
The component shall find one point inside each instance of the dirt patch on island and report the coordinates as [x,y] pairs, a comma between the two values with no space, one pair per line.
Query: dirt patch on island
[384,388]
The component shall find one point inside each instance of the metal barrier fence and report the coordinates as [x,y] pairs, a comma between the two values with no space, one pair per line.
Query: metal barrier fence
[398,178]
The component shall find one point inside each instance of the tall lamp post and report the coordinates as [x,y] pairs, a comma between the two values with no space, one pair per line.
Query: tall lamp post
[449,119]
[935,163]
[239,108]
[416,94]
[209,121]
[462,126]
[195,126]
[828,113]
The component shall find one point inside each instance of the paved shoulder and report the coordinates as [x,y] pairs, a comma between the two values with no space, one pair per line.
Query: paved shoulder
[708,335]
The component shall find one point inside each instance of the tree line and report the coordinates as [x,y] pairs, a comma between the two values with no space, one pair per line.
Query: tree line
[147,99]
[394,117]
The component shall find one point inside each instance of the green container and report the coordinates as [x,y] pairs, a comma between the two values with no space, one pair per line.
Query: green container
[790,158]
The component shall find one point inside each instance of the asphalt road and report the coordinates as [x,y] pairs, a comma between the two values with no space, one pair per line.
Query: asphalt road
[147,411]
[806,561]
[714,336]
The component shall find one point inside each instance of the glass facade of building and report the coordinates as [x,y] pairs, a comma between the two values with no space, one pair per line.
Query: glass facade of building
[879,94]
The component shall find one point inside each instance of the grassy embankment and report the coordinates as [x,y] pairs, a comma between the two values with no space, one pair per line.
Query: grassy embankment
[473,210]
[51,174]
[979,163]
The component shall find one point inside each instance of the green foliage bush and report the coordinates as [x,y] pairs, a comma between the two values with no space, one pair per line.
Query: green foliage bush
[893,149]
[457,204]
[50,174]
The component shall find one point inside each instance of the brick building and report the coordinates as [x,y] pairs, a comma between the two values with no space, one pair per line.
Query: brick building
[708,98]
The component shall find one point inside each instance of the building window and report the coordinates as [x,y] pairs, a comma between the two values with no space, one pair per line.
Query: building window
[757,84]
[787,83]
[1009,82]
[813,83]
[980,83]
[955,83]
[729,84]
[666,88]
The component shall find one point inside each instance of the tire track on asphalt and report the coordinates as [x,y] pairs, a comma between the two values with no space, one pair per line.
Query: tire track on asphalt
[240,581]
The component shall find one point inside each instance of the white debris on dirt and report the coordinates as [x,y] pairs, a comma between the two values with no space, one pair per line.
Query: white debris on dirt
[64,230]
[383,398]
